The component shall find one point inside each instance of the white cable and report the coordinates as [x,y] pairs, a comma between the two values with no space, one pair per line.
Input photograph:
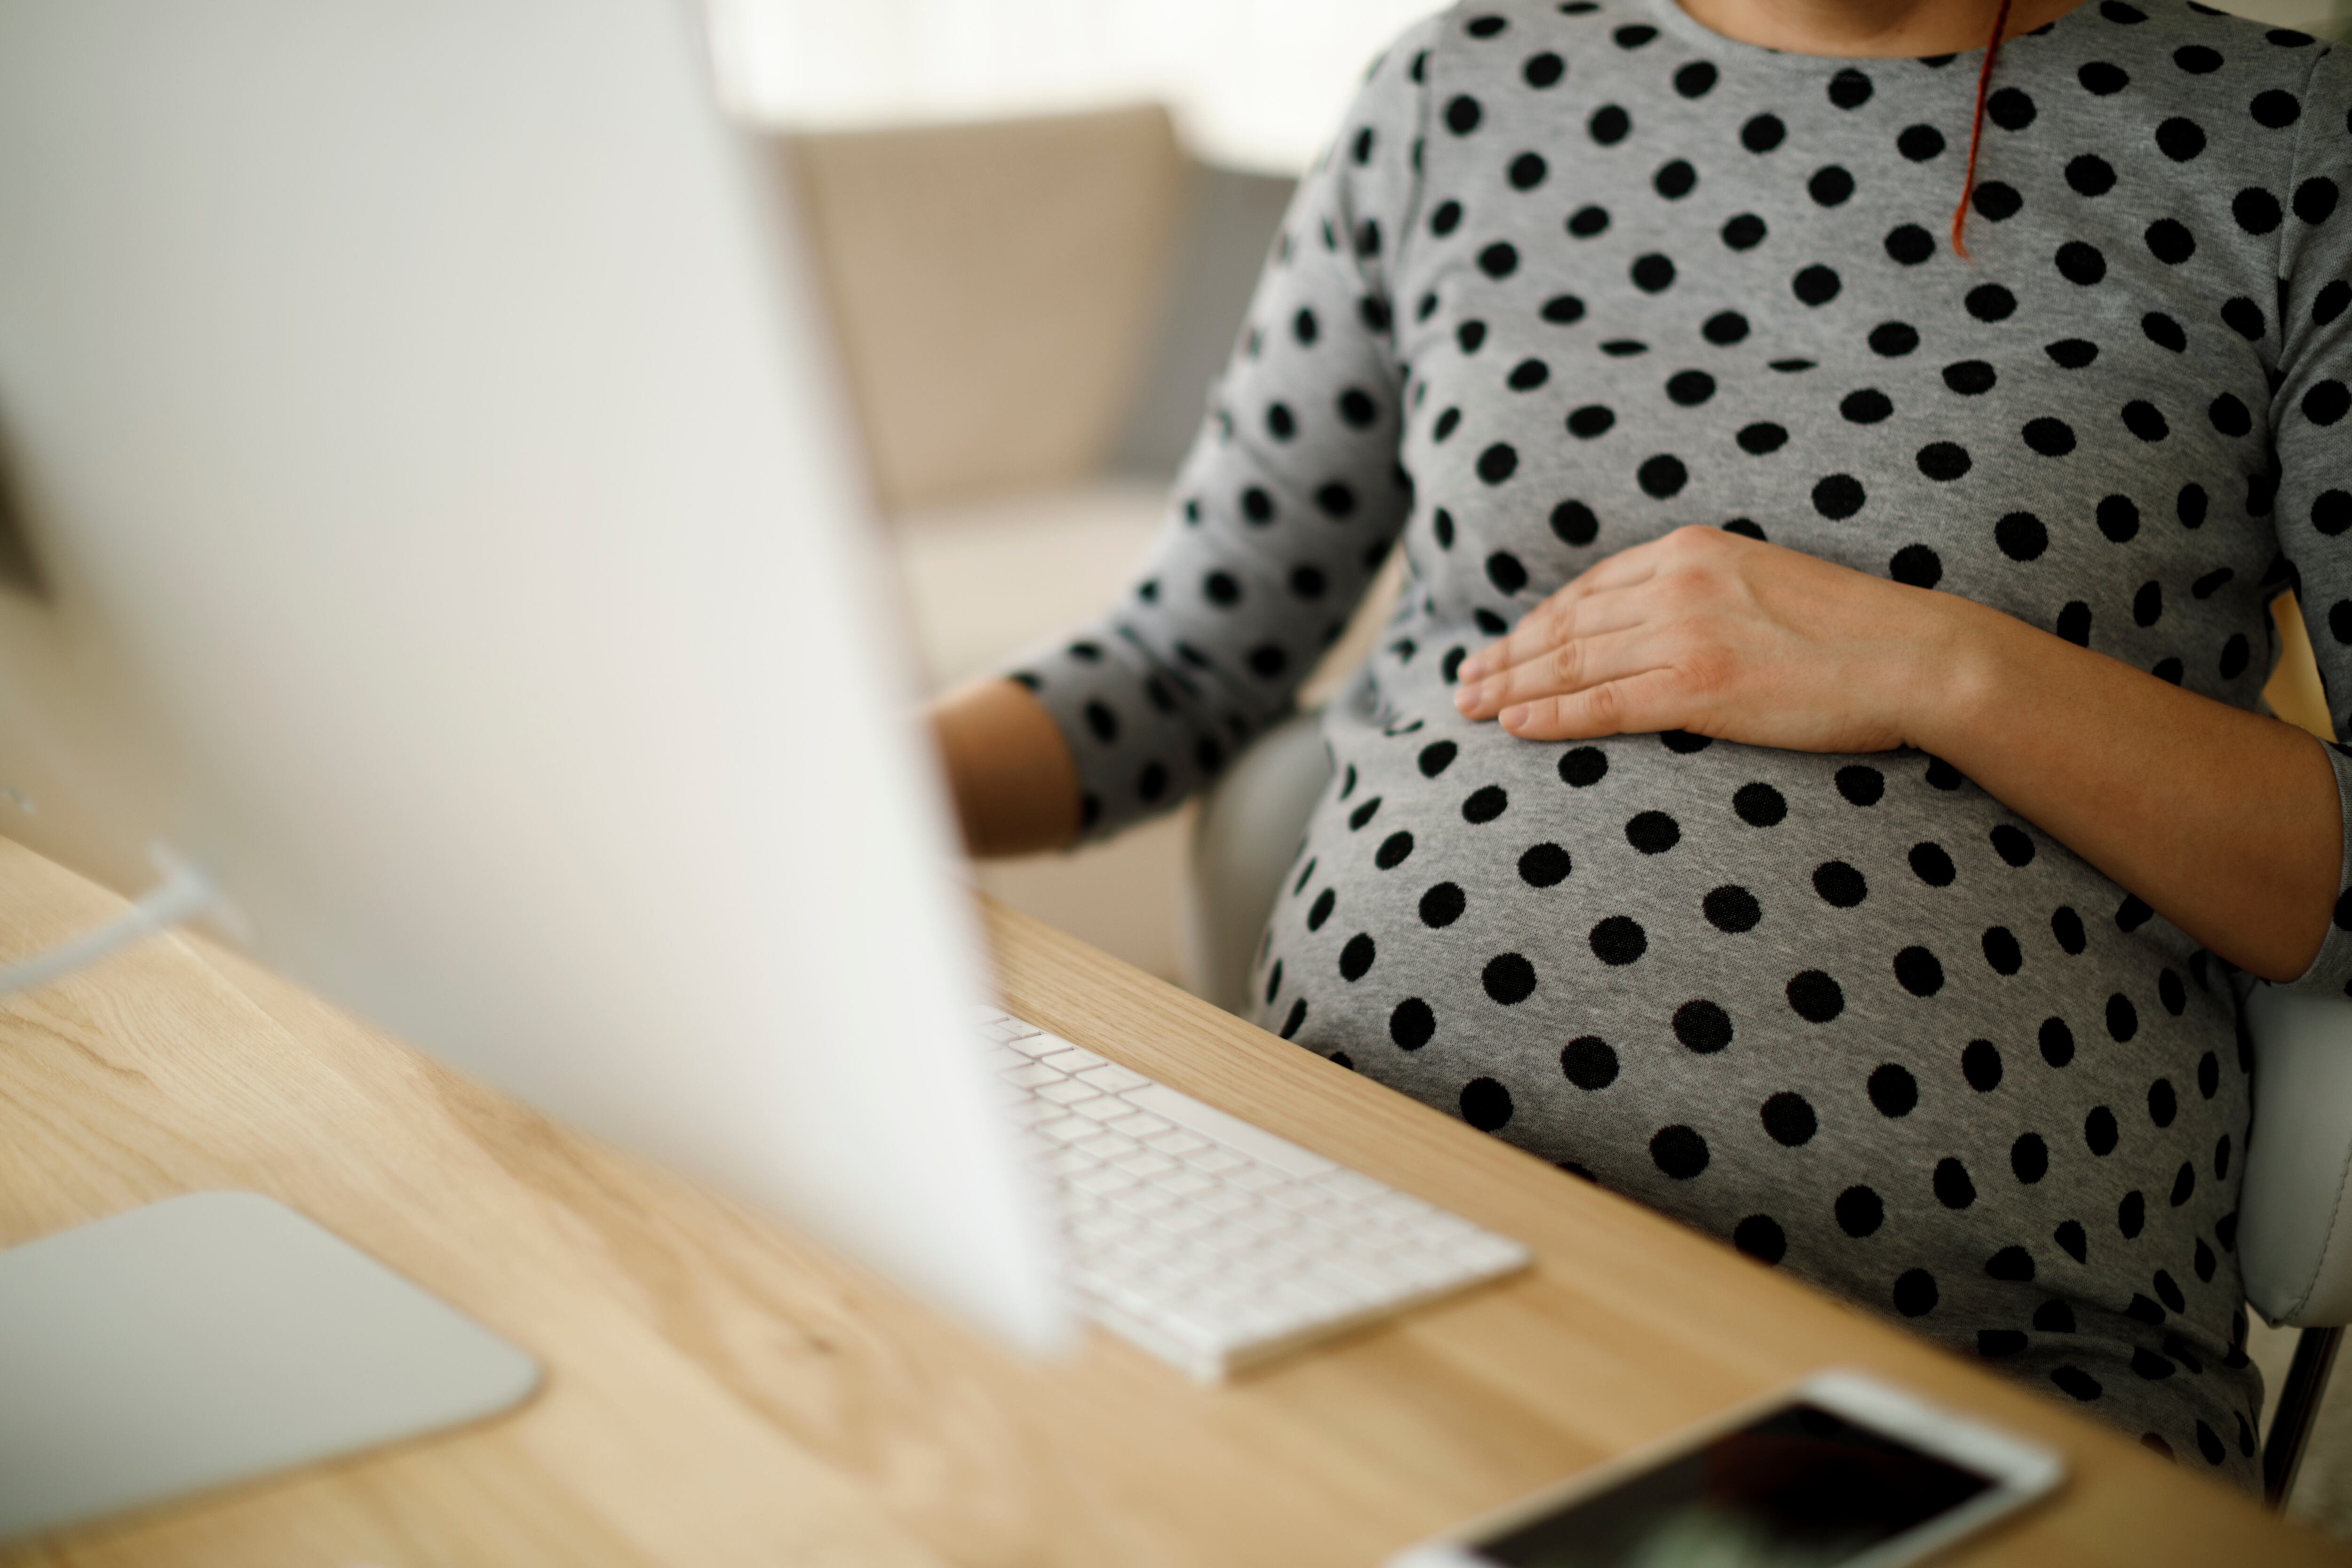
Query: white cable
[184,892]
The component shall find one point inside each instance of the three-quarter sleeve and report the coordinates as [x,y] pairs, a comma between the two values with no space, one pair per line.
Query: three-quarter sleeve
[1288,502]
[2311,430]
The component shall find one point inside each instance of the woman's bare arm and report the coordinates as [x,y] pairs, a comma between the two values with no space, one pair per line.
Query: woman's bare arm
[1016,785]
[2227,823]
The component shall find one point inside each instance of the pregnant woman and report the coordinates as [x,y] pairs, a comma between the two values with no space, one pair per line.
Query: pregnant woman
[1814,781]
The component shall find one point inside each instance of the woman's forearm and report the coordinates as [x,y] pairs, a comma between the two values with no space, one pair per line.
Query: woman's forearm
[1014,782]
[2226,822]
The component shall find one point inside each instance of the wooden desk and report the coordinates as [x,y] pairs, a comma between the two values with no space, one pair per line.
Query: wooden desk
[721,1392]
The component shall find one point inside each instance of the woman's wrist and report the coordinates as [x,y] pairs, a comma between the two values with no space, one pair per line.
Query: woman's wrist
[1015,781]
[1957,679]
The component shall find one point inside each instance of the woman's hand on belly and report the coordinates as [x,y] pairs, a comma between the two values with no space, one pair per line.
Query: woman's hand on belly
[1722,635]
[2227,823]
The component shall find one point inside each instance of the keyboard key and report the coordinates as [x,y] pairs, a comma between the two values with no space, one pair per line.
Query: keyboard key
[1112,1079]
[1072,1060]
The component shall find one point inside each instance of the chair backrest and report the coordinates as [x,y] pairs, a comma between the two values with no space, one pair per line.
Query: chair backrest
[2294,1210]
[1243,840]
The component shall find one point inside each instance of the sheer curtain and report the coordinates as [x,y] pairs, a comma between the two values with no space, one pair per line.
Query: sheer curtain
[1256,84]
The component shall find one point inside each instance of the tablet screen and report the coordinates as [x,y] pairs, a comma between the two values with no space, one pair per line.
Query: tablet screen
[1801,1487]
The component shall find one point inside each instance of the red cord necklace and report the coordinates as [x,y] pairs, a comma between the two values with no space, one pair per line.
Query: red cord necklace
[1976,129]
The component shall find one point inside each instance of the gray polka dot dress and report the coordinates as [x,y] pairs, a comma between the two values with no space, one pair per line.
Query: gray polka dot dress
[1574,274]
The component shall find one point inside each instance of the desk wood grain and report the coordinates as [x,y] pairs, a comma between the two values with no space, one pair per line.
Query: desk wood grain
[721,1391]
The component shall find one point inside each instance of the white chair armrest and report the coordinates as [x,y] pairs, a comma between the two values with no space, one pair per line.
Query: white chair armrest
[2295,1210]
[1244,838]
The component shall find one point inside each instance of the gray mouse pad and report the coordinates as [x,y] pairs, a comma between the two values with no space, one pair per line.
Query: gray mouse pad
[212,1339]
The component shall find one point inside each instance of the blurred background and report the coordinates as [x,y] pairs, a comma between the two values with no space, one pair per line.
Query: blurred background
[1037,224]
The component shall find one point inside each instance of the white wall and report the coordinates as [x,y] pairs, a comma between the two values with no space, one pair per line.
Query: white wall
[1254,84]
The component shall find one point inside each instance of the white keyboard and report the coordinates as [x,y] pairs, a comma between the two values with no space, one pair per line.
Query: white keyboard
[1208,1243]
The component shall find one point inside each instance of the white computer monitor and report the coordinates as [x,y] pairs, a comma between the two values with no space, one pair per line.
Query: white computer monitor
[448,536]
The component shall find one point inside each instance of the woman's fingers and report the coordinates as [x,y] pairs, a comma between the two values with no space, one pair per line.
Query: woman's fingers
[1550,622]
[1650,700]
[1567,667]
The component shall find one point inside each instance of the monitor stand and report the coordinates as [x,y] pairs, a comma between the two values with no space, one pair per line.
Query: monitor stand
[211,1339]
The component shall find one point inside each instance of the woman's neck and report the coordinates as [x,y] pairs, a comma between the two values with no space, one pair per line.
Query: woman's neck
[1870,30]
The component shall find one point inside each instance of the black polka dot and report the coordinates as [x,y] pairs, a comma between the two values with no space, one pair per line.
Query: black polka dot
[1574,523]
[2010,109]
[1789,1120]
[1918,972]
[1894,338]
[1485,1104]
[1762,134]
[1653,832]
[1838,497]
[1761,1237]
[1990,303]
[1953,1187]
[1910,245]
[1866,406]
[1997,201]
[1413,1025]
[1861,784]
[1674,179]
[1816,285]
[2073,1380]
[1662,476]
[1920,143]
[2209,1444]
[1999,1345]
[1893,1089]
[1497,463]
[1463,115]
[1840,884]
[1980,1065]
[1618,941]
[2050,437]
[1591,421]
[2057,1042]
[1860,1211]
[2180,139]
[1830,186]
[1589,1063]
[2080,264]
[1544,866]
[1689,388]
[1485,805]
[1442,905]
[1355,958]
[2170,242]
[1526,171]
[1732,909]
[1609,125]
[1509,979]
[1744,232]
[1816,997]
[2011,1263]
[1543,71]
[1581,767]
[1759,804]
[2100,78]
[1679,1151]
[1695,79]
[1702,1027]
